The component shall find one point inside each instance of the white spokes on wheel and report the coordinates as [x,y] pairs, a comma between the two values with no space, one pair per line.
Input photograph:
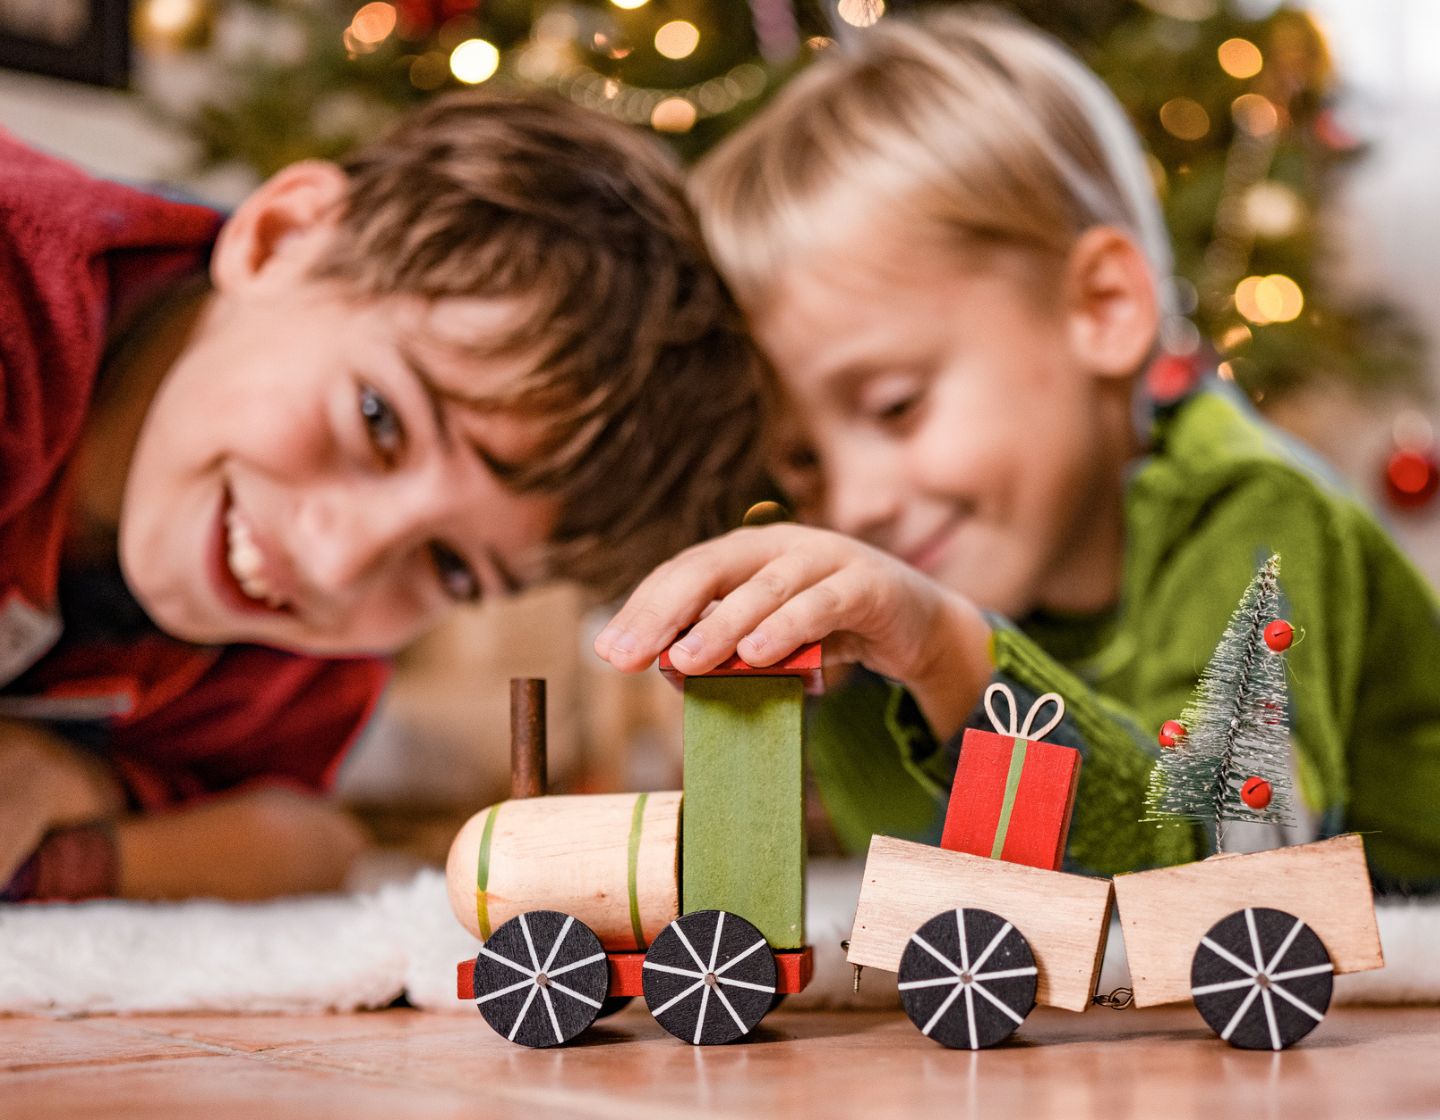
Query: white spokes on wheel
[1261,978]
[967,978]
[541,978]
[709,977]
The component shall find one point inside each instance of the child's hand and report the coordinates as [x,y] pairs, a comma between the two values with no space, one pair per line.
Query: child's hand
[764,591]
[45,784]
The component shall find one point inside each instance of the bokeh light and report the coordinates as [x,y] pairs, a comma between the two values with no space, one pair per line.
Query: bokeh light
[1235,337]
[610,44]
[1184,296]
[1272,210]
[750,81]
[1189,10]
[1247,301]
[1412,431]
[629,5]
[170,20]
[1240,58]
[1159,177]
[474,61]
[1269,299]
[539,62]
[373,22]
[1179,335]
[1255,114]
[861,13]
[677,39]
[673,114]
[556,28]
[1184,118]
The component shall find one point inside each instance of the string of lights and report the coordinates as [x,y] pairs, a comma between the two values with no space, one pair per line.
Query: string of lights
[1236,110]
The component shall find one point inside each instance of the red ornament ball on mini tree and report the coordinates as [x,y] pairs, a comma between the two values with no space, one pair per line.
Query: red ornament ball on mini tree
[1171,732]
[1255,792]
[1278,635]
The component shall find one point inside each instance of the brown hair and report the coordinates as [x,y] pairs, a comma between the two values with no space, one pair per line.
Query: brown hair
[641,360]
[971,126]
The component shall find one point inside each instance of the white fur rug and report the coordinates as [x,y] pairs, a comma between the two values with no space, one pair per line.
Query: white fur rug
[363,950]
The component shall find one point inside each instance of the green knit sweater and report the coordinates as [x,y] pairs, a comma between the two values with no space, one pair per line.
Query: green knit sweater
[1219,492]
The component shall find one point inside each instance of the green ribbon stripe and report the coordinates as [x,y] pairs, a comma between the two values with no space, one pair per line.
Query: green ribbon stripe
[482,875]
[1007,806]
[637,822]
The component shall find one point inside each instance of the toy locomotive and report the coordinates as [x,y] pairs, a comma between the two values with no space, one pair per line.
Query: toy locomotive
[583,902]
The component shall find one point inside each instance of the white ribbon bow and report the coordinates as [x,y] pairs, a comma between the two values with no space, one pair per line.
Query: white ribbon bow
[1023,730]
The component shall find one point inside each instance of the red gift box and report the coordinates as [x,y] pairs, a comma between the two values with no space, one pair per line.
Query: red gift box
[1013,794]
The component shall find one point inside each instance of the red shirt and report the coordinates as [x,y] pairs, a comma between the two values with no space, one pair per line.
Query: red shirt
[177,720]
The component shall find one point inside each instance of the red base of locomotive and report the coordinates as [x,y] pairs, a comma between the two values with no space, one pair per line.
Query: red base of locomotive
[794,970]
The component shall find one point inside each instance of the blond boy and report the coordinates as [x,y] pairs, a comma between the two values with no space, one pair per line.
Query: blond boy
[947,244]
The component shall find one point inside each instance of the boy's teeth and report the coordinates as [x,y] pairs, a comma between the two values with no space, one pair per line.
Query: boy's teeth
[246,561]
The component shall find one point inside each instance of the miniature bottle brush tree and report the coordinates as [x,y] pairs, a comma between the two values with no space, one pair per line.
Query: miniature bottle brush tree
[1228,756]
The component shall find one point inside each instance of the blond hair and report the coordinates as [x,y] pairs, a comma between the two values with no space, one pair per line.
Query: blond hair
[970,125]
[641,362]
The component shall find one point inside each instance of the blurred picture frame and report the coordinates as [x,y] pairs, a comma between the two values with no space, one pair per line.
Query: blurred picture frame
[78,40]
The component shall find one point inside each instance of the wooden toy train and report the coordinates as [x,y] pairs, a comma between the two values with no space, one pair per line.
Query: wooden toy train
[584,902]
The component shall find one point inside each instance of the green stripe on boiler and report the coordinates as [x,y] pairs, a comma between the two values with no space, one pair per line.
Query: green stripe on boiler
[637,824]
[482,875]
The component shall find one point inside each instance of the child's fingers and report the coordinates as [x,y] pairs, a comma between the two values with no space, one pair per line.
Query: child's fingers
[714,638]
[673,595]
[665,601]
[834,603]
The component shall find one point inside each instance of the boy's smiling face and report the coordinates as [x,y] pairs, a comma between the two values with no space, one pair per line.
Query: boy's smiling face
[964,419]
[304,477]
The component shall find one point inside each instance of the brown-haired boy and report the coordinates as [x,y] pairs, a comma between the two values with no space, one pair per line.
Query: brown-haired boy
[241,460]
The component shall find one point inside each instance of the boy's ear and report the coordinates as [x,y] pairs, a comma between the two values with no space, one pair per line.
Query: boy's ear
[282,224]
[1111,303]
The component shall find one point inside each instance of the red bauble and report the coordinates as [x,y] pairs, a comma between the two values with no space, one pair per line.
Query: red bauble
[1171,377]
[1255,793]
[1278,635]
[1412,478]
[1171,732]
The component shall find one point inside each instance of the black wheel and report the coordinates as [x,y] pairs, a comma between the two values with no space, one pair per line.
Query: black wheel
[967,979]
[541,979]
[709,977]
[1262,979]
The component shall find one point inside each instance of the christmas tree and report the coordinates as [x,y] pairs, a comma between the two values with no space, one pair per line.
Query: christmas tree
[1236,104]
[1228,758]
